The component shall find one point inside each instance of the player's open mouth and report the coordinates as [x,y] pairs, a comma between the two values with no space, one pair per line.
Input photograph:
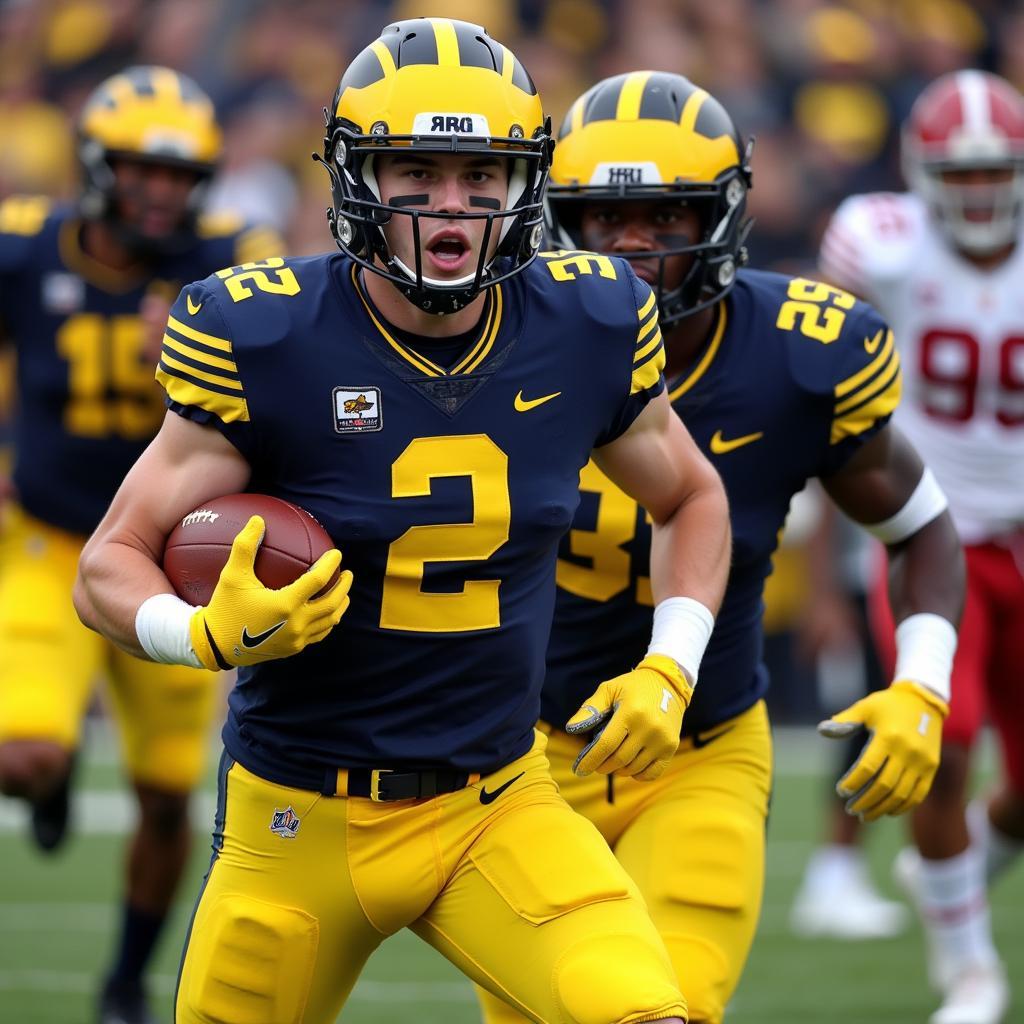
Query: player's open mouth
[449,250]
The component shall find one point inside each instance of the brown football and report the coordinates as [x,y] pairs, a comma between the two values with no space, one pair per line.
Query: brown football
[199,545]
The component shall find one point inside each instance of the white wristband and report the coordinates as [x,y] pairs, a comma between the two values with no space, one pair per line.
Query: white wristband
[163,626]
[925,645]
[681,630]
[927,502]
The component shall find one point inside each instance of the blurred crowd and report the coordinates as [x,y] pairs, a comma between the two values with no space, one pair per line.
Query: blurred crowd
[822,85]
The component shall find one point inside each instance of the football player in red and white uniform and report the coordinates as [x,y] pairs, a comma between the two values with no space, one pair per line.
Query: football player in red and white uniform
[944,264]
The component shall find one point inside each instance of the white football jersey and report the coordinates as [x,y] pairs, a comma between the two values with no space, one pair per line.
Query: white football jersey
[960,332]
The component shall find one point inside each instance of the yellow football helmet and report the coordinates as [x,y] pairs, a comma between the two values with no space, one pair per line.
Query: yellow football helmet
[653,135]
[146,114]
[438,86]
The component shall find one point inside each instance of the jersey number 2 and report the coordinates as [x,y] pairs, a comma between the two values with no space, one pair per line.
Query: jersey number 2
[405,604]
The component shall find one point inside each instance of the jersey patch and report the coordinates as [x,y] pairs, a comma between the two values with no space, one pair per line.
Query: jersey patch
[357,410]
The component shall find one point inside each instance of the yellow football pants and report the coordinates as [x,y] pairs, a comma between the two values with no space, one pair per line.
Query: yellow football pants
[693,841]
[518,892]
[49,663]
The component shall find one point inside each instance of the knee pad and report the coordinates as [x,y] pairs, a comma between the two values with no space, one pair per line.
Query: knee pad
[615,979]
[247,962]
[705,976]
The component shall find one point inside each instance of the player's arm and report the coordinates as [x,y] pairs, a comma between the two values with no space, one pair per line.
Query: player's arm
[885,487]
[185,465]
[122,592]
[656,462]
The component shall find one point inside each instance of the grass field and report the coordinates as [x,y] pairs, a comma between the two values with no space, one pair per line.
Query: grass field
[57,916]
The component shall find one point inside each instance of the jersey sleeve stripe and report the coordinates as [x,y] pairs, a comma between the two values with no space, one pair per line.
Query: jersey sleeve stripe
[855,380]
[648,373]
[646,308]
[171,363]
[198,356]
[198,348]
[220,344]
[181,355]
[645,329]
[648,348]
[184,390]
[880,383]
[866,416]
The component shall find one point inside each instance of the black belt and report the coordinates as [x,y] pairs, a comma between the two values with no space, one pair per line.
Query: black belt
[382,784]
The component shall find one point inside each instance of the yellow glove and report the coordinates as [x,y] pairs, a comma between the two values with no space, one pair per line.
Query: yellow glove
[246,622]
[895,769]
[637,717]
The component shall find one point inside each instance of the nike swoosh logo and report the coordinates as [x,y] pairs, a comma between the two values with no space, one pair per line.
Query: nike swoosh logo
[719,445]
[489,797]
[700,741]
[250,641]
[192,307]
[525,405]
[871,344]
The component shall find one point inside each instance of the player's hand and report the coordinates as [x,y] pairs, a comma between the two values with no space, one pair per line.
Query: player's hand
[246,622]
[636,719]
[895,769]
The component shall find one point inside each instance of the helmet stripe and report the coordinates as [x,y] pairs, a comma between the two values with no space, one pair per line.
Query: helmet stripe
[447,42]
[691,108]
[384,55]
[165,84]
[418,45]
[628,108]
[974,101]
[664,96]
[602,101]
[508,63]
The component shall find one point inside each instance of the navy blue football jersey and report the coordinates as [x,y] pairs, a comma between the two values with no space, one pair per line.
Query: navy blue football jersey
[795,377]
[86,402]
[447,490]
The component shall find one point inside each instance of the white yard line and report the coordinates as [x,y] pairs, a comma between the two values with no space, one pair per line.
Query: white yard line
[80,983]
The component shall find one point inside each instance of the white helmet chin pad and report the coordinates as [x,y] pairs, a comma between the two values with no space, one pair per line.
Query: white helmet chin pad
[433,282]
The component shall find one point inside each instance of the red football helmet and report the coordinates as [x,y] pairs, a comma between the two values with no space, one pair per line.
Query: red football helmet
[964,122]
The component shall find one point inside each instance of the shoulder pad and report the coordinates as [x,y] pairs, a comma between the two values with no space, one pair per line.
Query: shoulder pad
[842,349]
[197,365]
[870,240]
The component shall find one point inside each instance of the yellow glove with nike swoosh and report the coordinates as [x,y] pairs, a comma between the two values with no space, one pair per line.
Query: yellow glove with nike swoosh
[895,769]
[247,622]
[637,716]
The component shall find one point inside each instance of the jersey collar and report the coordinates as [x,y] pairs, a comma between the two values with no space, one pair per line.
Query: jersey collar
[685,382]
[476,352]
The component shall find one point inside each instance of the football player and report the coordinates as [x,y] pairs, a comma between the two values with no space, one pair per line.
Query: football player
[944,263]
[778,379]
[430,395]
[79,287]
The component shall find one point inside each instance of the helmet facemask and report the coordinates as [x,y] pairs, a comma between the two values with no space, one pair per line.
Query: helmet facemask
[358,216]
[716,257]
[954,203]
